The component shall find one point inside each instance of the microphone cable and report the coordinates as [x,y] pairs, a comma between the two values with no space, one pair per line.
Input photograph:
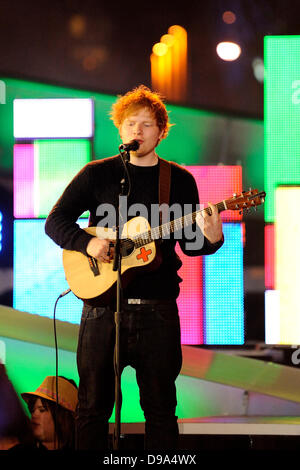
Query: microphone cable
[56,362]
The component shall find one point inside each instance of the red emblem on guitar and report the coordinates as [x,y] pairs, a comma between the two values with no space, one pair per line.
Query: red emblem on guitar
[144,254]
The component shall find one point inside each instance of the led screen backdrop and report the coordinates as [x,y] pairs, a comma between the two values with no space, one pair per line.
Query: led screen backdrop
[39,279]
[44,167]
[282,178]
[224,290]
[42,170]
[269,256]
[210,304]
[216,183]
[282,115]
[38,273]
[197,137]
[215,318]
[287,262]
[54,118]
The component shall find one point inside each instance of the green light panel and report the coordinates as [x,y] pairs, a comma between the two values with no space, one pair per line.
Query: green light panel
[42,171]
[58,162]
[282,116]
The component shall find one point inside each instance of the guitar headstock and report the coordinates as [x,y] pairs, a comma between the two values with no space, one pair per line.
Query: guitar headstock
[246,200]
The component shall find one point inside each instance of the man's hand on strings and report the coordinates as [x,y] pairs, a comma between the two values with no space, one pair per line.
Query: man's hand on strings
[210,225]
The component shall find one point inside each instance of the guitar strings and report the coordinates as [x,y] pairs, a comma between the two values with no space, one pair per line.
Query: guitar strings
[170,227]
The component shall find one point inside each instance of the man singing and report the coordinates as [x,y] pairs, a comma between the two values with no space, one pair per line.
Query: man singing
[150,329]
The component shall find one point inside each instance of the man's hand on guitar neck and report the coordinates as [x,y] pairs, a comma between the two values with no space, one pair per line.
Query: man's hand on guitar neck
[210,225]
[100,249]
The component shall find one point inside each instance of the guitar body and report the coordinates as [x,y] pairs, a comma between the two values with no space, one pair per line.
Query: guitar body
[99,288]
[95,282]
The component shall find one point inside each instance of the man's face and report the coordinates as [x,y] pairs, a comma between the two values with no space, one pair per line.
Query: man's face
[141,126]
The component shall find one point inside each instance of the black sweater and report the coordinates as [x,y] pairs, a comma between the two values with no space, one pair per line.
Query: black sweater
[99,183]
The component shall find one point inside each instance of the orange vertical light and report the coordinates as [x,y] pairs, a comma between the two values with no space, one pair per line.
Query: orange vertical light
[169,64]
[160,50]
[180,58]
[168,39]
[154,71]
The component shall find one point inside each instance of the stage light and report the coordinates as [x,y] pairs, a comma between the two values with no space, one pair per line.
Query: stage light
[160,49]
[169,64]
[229,17]
[258,69]
[53,118]
[168,39]
[228,51]
[77,25]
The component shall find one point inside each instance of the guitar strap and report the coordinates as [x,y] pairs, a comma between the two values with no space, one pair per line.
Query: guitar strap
[164,185]
[164,196]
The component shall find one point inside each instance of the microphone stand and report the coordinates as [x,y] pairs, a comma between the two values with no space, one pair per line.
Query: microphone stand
[117,267]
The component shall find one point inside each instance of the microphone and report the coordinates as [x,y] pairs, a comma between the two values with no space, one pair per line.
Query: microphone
[133,145]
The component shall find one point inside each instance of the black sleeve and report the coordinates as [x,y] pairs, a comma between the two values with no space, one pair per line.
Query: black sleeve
[61,223]
[193,242]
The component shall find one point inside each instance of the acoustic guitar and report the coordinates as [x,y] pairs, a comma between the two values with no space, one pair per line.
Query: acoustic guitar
[94,282]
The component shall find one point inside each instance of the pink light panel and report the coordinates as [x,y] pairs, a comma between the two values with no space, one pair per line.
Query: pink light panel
[190,300]
[270,256]
[216,183]
[24,180]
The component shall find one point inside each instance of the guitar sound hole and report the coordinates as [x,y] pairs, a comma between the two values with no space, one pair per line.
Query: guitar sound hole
[127,247]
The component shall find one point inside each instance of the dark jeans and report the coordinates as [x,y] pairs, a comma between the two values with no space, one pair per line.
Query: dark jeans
[149,342]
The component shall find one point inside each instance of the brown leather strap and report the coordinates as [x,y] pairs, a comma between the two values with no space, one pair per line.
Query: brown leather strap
[164,184]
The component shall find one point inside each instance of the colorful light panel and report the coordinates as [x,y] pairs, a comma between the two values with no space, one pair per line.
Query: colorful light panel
[53,118]
[213,183]
[223,290]
[38,273]
[272,317]
[216,183]
[269,256]
[287,262]
[282,115]
[190,300]
[24,175]
[42,171]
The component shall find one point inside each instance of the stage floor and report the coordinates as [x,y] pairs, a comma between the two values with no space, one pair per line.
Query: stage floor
[229,425]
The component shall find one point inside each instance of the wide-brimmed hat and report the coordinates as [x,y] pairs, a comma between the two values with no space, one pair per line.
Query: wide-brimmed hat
[67,393]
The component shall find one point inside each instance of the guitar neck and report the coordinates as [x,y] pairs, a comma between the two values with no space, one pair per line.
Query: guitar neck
[175,225]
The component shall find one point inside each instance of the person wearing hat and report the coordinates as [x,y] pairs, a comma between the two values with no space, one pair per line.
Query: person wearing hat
[52,419]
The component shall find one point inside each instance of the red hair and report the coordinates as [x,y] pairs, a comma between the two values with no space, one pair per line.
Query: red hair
[141,97]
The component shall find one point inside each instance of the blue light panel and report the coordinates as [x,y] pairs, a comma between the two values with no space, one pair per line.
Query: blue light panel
[224,293]
[38,273]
